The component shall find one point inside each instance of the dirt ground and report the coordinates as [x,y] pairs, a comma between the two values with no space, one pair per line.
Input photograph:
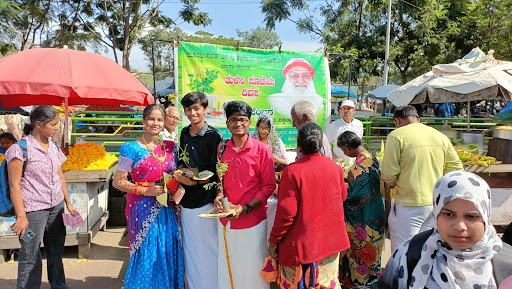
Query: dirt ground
[105,268]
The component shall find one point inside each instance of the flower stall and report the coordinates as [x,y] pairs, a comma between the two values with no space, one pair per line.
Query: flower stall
[499,178]
[88,171]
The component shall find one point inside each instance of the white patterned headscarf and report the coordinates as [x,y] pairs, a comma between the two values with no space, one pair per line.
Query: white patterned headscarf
[442,266]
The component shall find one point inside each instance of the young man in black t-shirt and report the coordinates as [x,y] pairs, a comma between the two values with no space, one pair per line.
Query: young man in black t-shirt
[198,143]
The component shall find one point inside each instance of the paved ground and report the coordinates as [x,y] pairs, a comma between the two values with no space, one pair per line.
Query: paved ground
[105,268]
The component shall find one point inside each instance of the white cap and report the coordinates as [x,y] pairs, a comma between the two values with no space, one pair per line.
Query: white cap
[348,102]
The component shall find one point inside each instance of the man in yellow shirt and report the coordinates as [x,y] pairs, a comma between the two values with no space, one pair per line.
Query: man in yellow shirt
[415,157]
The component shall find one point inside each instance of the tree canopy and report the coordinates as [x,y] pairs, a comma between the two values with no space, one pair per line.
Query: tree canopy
[161,39]
[259,38]
[99,24]
[423,33]
[8,10]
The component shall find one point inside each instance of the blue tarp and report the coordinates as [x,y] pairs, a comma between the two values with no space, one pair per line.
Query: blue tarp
[336,90]
[506,112]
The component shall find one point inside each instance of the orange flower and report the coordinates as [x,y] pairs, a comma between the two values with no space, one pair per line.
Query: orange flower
[88,156]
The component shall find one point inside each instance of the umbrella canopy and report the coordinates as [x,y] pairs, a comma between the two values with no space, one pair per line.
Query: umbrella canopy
[383,91]
[337,90]
[54,76]
[477,76]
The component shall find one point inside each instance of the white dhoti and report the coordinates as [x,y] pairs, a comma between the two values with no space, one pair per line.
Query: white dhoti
[247,249]
[271,214]
[200,245]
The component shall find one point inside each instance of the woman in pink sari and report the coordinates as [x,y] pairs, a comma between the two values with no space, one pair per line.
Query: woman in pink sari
[156,258]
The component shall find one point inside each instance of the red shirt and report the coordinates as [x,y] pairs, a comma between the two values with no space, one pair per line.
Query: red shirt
[250,175]
[310,223]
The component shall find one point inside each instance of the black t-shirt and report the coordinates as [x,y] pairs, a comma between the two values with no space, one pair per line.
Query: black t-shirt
[202,153]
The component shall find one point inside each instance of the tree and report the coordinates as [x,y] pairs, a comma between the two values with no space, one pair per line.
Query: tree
[47,23]
[123,24]
[423,34]
[344,27]
[259,38]
[488,25]
[33,18]
[163,49]
[207,37]
[162,41]
[8,11]
[69,30]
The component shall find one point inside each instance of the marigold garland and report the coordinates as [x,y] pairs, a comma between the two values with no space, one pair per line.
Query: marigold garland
[88,156]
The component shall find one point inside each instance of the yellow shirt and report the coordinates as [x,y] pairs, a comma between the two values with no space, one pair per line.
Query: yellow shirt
[415,157]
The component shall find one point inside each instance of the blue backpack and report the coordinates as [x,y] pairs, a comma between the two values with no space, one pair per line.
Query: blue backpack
[6,207]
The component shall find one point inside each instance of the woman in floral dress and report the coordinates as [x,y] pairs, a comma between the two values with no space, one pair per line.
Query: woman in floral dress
[360,266]
[156,257]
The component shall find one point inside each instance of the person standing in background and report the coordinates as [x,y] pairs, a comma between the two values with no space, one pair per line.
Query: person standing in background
[416,156]
[199,142]
[303,112]
[38,193]
[172,119]
[347,122]
[266,133]
[248,182]
[7,139]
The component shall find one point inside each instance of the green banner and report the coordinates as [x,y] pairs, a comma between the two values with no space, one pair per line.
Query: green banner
[268,80]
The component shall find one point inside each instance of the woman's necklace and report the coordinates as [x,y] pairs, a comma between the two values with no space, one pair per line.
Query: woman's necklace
[158,158]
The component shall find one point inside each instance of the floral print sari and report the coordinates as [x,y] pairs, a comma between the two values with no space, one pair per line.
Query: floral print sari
[360,266]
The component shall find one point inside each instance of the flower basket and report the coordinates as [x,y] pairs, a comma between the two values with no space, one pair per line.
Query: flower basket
[86,176]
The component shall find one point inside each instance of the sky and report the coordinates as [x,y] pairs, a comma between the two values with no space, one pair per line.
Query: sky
[228,16]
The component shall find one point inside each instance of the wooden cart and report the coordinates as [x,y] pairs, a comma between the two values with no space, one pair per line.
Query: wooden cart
[88,191]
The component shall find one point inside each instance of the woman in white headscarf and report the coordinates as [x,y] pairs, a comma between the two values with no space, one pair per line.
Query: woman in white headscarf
[461,249]
[266,133]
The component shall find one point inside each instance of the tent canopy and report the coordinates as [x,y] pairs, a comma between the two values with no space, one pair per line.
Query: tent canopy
[383,91]
[164,87]
[341,91]
[477,76]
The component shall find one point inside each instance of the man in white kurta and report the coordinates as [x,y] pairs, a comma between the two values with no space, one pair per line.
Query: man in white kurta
[347,122]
